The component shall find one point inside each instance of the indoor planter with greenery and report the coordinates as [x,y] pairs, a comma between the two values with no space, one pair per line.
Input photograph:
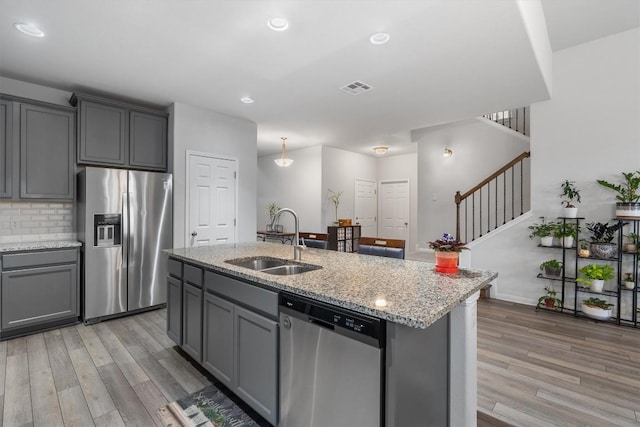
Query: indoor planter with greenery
[551,268]
[334,197]
[594,275]
[628,281]
[628,205]
[597,308]
[566,232]
[602,235]
[583,249]
[273,208]
[544,231]
[570,195]
[447,250]
[631,245]
[550,299]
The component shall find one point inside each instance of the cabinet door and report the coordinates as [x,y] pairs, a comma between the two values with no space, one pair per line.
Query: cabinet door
[192,321]
[103,134]
[174,310]
[218,338]
[34,296]
[47,140]
[148,141]
[6,148]
[256,362]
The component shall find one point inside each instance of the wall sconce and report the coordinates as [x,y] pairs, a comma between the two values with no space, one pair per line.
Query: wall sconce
[380,150]
[283,161]
[448,152]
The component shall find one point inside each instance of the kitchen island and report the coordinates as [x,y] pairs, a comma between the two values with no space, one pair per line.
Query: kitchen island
[430,318]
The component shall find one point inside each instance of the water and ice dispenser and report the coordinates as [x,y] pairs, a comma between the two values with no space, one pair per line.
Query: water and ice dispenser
[107,230]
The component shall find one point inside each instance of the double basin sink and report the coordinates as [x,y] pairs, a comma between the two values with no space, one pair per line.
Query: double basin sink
[276,266]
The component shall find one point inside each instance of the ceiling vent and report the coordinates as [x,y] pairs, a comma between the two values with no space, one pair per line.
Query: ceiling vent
[356,88]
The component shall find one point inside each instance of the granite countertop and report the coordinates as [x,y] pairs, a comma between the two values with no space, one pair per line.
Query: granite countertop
[33,246]
[415,294]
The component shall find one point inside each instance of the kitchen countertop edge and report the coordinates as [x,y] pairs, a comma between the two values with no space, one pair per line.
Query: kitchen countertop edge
[33,246]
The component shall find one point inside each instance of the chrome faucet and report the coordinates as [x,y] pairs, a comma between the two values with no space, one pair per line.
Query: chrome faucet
[297,247]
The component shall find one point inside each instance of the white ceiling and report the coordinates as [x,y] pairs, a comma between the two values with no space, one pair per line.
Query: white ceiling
[446,60]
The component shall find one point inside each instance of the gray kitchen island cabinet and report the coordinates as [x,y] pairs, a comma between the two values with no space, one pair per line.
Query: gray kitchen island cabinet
[192,312]
[37,144]
[174,301]
[39,289]
[112,133]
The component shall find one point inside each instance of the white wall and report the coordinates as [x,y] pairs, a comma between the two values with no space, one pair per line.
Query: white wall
[340,169]
[202,130]
[590,129]
[400,167]
[479,149]
[297,187]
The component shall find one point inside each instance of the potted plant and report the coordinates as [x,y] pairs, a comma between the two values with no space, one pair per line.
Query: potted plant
[583,250]
[597,308]
[550,299]
[628,281]
[628,205]
[551,268]
[567,233]
[594,275]
[602,235]
[334,197]
[632,243]
[544,231]
[447,250]
[272,208]
[570,195]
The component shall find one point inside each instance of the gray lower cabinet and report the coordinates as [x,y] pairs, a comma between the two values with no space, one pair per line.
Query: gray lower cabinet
[6,148]
[240,343]
[38,289]
[174,309]
[192,321]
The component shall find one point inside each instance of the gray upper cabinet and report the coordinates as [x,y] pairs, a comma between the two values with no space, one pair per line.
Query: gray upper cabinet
[6,148]
[112,133]
[47,141]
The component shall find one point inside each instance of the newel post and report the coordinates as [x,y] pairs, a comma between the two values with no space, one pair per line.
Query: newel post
[458,199]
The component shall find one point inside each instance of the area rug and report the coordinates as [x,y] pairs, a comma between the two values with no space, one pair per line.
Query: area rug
[207,407]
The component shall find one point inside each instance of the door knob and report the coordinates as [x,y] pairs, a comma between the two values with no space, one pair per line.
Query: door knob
[194,234]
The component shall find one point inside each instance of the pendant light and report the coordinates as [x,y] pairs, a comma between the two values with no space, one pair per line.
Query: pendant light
[283,161]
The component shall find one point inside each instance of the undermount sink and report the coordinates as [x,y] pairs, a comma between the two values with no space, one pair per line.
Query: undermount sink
[276,266]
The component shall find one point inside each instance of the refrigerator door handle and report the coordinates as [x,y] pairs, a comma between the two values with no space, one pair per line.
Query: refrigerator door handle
[125,233]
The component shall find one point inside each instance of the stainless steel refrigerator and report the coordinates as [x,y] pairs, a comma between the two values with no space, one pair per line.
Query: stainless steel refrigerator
[124,222]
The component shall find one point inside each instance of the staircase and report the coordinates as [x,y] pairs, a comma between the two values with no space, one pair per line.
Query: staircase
[498,199]
[516,119]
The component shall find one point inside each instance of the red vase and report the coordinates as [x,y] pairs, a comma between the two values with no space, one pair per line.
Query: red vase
[447,262]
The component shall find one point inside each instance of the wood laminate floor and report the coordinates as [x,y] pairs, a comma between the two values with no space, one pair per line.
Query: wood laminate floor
[534,369]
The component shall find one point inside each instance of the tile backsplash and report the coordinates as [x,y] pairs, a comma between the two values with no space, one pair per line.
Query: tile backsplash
[28,221]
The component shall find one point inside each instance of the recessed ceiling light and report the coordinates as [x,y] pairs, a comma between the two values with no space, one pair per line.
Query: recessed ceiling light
[379,38]
[247,100]
[278,24]
[380,150]
[29,29]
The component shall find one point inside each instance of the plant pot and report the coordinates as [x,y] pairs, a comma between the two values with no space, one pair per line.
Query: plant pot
[546,241]
[627,210]
[629,285]
[549,303]
[630,247]
[567,241]
[447,262]
[552,272]
[604,250]
[597,312]
[596,285]
[570,212]
[584,253]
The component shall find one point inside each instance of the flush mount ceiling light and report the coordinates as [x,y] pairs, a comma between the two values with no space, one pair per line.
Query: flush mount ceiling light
[283,161]
[29,29]
[379,38]
[247,100]
[278,24]
[380,150]
[448,152]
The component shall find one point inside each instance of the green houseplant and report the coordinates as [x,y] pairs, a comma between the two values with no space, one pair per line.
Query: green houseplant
[567,233]
[628,281]
[628,197]
[551,268]
[602,235]
[570,195]
[594,276]
[597,308]
[544,231]
[632,243]
[272,208]
[334,197]
[550,299]
[447,250]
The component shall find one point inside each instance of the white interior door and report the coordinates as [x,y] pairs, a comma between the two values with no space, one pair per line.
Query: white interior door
[211,201]
[394,210]
[365,210]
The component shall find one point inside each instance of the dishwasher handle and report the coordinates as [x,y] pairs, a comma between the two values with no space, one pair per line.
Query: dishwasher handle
[322,323]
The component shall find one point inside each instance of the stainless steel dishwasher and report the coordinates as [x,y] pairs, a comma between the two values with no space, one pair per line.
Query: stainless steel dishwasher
[331,365]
